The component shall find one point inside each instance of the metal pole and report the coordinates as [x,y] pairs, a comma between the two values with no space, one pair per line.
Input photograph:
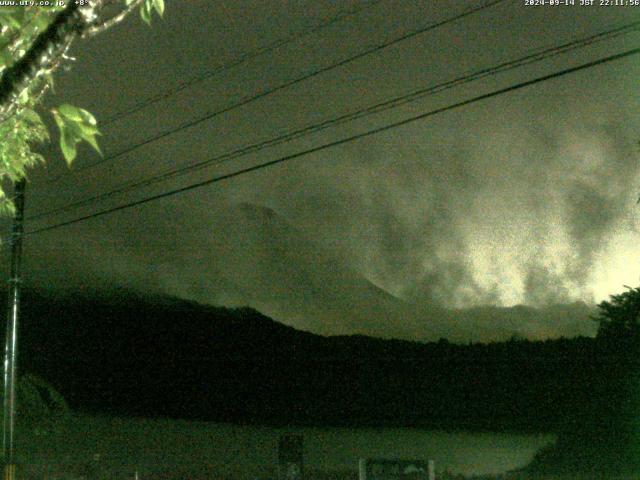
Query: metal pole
[11,340]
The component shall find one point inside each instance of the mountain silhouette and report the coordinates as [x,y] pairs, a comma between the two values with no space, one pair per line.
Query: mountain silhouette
[126,353]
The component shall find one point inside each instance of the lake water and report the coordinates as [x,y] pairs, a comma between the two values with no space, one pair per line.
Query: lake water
[249,451]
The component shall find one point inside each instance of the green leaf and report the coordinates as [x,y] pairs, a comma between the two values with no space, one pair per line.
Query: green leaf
[68,145]
[31,116]
[12,17]
[68,139]
[9,20]
[91,140]
[85,130]
[23,96]
[145,12]
[7,207]
[71,112]
[88,134]
[41,21]
[159,6]
[6,59]
[87,117]
[59,121]
[75,124]
[38,129]
[19,13]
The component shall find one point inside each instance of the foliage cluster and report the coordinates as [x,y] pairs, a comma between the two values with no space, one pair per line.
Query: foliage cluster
[23,32]
[619,317]
[604,436]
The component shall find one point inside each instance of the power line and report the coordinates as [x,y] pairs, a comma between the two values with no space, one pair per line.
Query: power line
[374,109]
[342,141]
[269,91]
[237,62]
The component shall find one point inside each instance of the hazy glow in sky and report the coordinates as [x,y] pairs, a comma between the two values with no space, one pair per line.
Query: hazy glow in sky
[617,265]
[506,237]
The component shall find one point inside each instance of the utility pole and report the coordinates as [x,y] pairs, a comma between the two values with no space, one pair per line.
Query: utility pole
[11,340]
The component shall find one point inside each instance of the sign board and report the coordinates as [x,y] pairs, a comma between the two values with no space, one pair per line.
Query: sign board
[290,457]
[392,469]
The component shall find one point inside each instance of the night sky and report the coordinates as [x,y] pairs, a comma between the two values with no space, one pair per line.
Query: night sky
[510,216]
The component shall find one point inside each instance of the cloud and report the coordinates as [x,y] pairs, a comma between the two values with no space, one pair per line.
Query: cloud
[543,287]
[435,228]
[598,197]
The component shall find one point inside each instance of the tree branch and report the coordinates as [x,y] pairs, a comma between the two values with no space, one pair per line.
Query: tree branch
[16,110]
[107,24]
[47,46]
[44,52]
[17,36]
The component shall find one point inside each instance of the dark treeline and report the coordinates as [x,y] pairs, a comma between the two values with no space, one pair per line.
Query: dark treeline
[132,355]
[602,434]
